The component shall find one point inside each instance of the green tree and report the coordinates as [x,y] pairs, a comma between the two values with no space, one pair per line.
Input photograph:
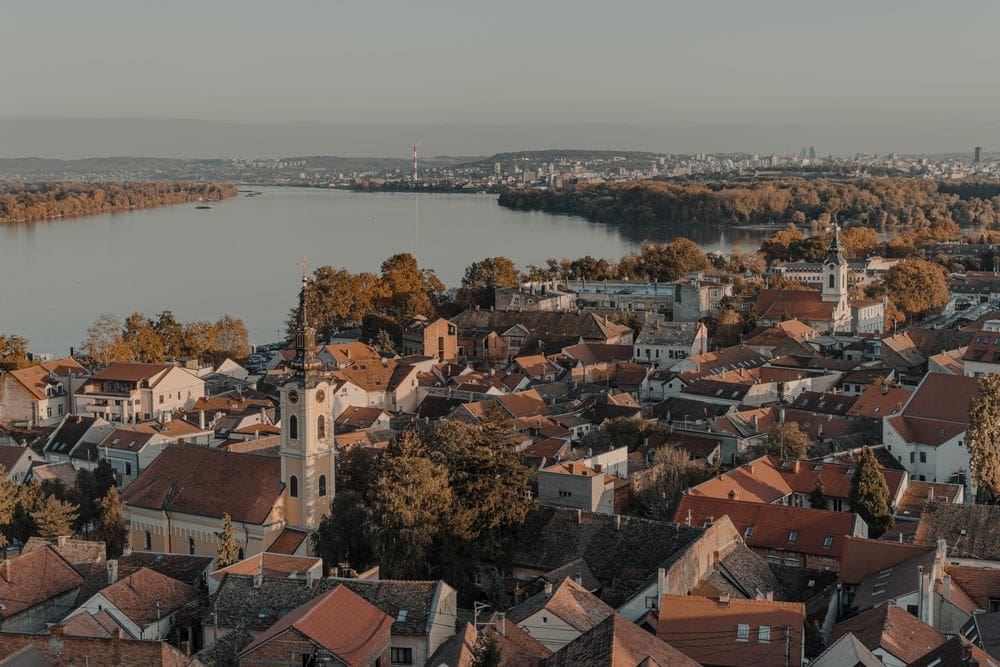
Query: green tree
[411,503]
[487,651]
[869,494]
[54,517]
[659,489]
[344,535]
[786,440]
[817,499]
[984,440]
[483,277]
[111,526]
[229,547]
[171,332]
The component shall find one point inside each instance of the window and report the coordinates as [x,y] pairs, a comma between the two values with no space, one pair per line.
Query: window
[128,468]
[828,541]
[191,545]
[321,427]
[923,457]
[322,485]
[742,632]
[912,457]
[793,536]
[293,485]
[161,399]
[149,541]
[764,634]
[401,656]
[748,533]
[293,427]
[831,280]
[994,605]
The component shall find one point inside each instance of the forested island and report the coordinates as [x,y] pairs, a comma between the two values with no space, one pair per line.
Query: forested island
[28,202]
[877,202]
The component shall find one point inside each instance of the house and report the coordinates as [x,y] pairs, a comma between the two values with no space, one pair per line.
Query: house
[187,569]
[544,296]
[40,395]
[711,390]
[969,530]
[593,484]
[662,343]
[36,588]
[900,353]
[617,642]
[595,362]
[727,631]
[846,650]
[767,339]
[174,505]
[772,480]
[342,355]
[357,418]
[559,614]
[896,637]
[423,613]
[724,359]
[338,627]
[792,536]
[131,392]
[16,461]
[145,603]
[957,651]
[75,440]
[928,437]
[432,338]
[387,383]
[538,368]
[56,647]
[131,448]
[982,356]
[268,564]
[696,298]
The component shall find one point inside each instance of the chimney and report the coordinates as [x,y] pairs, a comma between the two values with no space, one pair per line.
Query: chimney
[618,522]
[781,414]
[715,558]
[885,389]
[930,493]
[733,495]
[112,571]
[548,588]
[942,551]
[579,517]
[724,599]
[5,569]
[127,551]
[61,540]
[597,467]
[946,587]
[257,580]
[769,596]
[310,578]
[662,582]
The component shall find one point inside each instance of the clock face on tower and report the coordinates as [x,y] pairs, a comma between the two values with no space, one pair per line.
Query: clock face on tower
[293,396]
[320,396]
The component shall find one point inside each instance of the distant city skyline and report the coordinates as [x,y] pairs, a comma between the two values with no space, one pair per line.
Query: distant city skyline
[767,76]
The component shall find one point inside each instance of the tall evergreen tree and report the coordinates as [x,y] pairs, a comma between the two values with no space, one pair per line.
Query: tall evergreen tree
[54,517]
[984,440]
[229,547]
[869,495]
[111,526]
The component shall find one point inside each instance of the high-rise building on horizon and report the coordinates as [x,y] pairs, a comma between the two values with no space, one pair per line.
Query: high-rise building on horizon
[812,152]
[979,155]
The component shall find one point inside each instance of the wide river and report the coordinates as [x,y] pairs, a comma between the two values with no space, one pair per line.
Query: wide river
[242,256]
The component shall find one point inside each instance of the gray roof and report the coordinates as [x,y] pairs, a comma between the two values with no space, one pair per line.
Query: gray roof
[891,583]
[622,559]
[240,604]
[969,530]
[742,573]
[847,650]
[668,333]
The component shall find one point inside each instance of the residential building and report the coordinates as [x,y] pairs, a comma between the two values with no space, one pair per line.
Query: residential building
[982,356]
[593,484]
[337,627]
[559,614]
[130,392]
[268,564]
[547,296]
[696,298]
[729,632]
[37,588]
[16,460]
[56,647]
[896,637]
[432,338]
[662,343]
[131,448]
[40,395]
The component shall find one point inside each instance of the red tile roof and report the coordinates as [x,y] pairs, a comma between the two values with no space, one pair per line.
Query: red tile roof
[893,629]
[185,478]
[706,630]
[778,527]
[288,541]
[340,621]
[137,596]
[862,557]
[788,304]
[130,372]
[33,578]
[270,565]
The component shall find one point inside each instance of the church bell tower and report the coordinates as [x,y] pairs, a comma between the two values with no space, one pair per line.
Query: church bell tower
[835,272]
[307,447]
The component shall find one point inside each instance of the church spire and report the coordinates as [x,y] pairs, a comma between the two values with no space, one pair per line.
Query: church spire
[305,334]
[835,255]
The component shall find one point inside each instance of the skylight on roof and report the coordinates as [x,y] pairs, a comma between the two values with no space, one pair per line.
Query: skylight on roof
[401,615]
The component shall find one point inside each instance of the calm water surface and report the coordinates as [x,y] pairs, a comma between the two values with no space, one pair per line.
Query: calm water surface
[242,256]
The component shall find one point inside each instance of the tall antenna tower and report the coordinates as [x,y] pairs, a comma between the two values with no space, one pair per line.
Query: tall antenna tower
[414,163]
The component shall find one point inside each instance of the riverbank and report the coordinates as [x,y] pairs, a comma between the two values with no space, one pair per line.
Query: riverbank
[35,202]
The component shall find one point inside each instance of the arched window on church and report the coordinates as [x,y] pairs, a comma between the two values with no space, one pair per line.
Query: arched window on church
[322,485]
[321,427]
[831,280]
[293,486]
[293,427]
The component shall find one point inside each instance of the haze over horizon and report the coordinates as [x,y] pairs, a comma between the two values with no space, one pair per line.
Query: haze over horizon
[241,79]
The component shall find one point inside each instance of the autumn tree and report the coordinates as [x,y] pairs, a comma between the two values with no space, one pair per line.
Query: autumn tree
[858,242]
[142,341]
[984,440]
[229,547]
[817,499]
[916,286]
[111,526]
[483,277]
[337,298]
[786,440]
[658,490]
[54,517]
[779,245]
[869,494]
[231,338]
[171,333]
[8,503]
[664,261]
[406,289]
[13,352]
[729,328]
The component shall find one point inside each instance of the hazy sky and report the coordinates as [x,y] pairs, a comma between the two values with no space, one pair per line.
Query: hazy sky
[659,63]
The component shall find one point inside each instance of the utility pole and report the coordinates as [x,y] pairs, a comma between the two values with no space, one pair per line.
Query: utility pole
[788,647]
